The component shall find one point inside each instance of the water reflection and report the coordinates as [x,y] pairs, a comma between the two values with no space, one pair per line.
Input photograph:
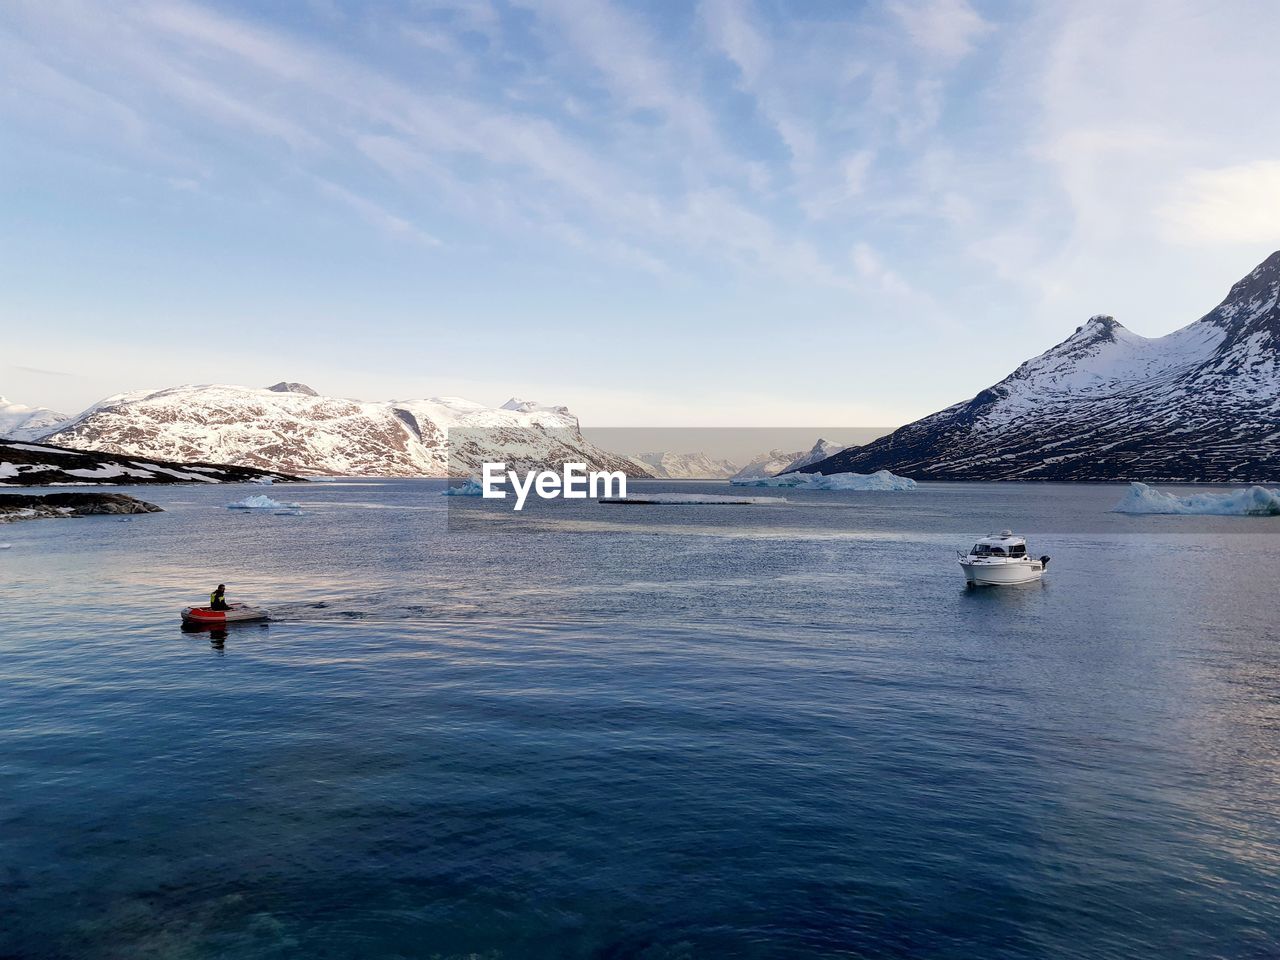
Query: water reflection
[218,633]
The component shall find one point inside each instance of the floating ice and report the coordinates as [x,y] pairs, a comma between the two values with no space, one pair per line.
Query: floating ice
[472,488]
[289,513]
[880,480]
[260,502]
[264,481]
[5,546]
[690,498]
[1252,502]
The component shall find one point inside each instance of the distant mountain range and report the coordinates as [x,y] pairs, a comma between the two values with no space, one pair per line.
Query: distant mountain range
[289,427]
[768,464]
[1200,404]
[821,450]
[685,466]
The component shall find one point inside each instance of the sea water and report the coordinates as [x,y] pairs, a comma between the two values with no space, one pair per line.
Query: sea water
[664,731]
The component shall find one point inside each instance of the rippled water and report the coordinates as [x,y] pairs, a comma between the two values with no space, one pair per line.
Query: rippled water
[658,732]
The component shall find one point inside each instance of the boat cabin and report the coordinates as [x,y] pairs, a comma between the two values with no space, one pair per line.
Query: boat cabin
[999,545]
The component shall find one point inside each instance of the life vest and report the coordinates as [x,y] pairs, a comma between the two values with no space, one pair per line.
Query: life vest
[215,598]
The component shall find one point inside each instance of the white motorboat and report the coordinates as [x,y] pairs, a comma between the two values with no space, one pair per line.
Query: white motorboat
[1001,559]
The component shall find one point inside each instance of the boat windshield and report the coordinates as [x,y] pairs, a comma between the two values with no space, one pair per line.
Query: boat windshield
[987,550]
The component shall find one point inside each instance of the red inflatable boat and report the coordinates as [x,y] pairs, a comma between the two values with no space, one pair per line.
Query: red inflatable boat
[235,613]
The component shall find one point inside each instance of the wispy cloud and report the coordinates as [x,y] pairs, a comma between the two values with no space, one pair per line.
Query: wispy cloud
[40,371]
[864,160]
[943,28]
[377,215]
[1237,204]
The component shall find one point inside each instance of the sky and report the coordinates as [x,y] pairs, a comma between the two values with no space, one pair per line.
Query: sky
[715,213]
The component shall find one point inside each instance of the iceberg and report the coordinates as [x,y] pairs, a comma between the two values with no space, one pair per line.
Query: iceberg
[1251,502]
[472,488]
[880,480]
[260,502]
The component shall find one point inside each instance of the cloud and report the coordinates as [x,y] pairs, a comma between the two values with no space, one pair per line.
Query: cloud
[769,140]
[948,29]
[41,372]
[871,268]
[1236,204]
[733,30]
[622,51]
[378,216]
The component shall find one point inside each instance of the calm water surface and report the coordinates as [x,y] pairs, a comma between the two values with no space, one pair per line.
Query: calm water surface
[657,732]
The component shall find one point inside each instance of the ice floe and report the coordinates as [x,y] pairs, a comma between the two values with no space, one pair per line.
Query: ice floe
[880,480]
[1250,502]
[261,502]
[685,499]
[472,488]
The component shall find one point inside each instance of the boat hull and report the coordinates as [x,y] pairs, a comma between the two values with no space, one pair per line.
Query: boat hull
[1002,574]
[236,613]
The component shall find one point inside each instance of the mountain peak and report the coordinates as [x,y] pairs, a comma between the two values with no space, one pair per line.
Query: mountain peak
[1271,265]
[1198,404]
[289,386]
[1100,326]
[1252,306]
[21,422]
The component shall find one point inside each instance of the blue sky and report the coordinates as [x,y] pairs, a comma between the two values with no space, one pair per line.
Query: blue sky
[714,213]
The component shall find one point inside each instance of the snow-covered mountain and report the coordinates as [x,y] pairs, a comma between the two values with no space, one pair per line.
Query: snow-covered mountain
[290,428]
[768,464]
[20,422]
[1200,404]
[685,466]
[821,450]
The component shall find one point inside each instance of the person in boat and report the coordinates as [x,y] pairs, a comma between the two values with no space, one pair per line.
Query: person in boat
[218,599]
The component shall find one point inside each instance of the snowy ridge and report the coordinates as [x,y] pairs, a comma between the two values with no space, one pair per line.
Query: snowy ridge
[820,451]
[32,464]
[20,422]
[1200,404]
[685,466]
[768,464]
[289,427]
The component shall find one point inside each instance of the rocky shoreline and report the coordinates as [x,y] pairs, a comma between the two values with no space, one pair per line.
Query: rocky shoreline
[20,506]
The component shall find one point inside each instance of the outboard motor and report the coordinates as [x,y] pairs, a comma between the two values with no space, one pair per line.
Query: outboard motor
[1044,562]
